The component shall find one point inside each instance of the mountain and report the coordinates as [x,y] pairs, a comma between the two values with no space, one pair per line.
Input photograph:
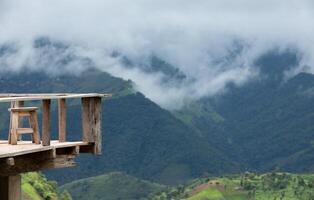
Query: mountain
[112,186]
[244,187]
[36,187]
[265,124]
[140,138]
[146,141]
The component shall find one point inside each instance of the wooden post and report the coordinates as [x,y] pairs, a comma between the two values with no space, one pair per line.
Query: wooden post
[46,122]
[34,125]
[15,104]
[91,122]
[13,128]
[20,104]
[10,187]
[62,119]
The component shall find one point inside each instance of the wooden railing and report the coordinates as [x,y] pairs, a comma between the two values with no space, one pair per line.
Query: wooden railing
[91,114]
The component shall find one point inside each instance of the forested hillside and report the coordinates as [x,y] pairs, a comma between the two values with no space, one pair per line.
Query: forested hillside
[281,186]
[263,125]
[266,123]
[112,186]
[246,186]
[36,187]
[140,138]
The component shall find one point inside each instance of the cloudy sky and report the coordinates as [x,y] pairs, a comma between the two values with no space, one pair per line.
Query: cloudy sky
[212,42]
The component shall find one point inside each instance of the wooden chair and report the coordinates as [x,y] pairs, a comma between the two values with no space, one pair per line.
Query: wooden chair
[15,127]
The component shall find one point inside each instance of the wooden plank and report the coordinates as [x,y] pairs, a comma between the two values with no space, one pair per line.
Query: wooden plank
[62,119]
[22,149]
[46,123]
[36,162]
[35,97]
[85,120]
[97,125]
[24,130]
[26,109]
[14,126]
[2,95]
[10,161]
[20,104]
[10,187]
[91,122]
[15,104]
[34,124]
[27,147]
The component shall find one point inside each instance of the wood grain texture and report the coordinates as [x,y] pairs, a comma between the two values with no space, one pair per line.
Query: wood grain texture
[27,147]
[34,97]
[91,122]
[62,119]
[36,162]
[34,125]
[46,122]
[10,187]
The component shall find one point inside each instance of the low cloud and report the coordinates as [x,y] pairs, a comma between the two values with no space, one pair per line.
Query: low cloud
[212,43]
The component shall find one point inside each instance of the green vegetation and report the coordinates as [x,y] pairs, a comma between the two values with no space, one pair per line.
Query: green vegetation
[147,142]
[112,186]
[140,138]
[36,187]
[264,125]
[249,186]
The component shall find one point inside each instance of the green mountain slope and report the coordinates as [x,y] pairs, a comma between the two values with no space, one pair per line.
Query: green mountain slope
[36,187]
[146,141]
[265,124]
[112,186]
[140,138]
[281,186]
[272,125]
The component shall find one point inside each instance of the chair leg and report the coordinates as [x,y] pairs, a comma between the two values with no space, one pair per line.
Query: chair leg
[34,125]
[19,104]
[13,128]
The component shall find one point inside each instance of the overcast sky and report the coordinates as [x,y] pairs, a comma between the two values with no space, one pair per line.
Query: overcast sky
[195,36]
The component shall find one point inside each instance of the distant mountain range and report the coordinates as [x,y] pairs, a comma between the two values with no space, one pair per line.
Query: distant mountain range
[267,124]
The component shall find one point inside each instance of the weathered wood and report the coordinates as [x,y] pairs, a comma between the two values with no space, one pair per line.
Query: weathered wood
[15,104]
[20,131]
[34,97]
[86,120]
[46,122]
[26,109]
[62,119]
[25,156]
[97,125]
[34,125]
[10,161]
[27,147]
[2,95]
[20,104]
[91,122]
[10,187]
[13,128]
[36,162]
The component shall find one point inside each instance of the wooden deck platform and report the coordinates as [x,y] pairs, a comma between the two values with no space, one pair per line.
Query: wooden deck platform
[27,147]
[26,156]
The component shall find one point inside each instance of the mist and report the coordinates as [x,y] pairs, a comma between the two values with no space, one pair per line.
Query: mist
[211,43]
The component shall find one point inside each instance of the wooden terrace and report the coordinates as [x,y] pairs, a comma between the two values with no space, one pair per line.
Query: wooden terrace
[19,156]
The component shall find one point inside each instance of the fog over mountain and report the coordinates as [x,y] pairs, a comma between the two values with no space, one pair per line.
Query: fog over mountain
[210,43]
